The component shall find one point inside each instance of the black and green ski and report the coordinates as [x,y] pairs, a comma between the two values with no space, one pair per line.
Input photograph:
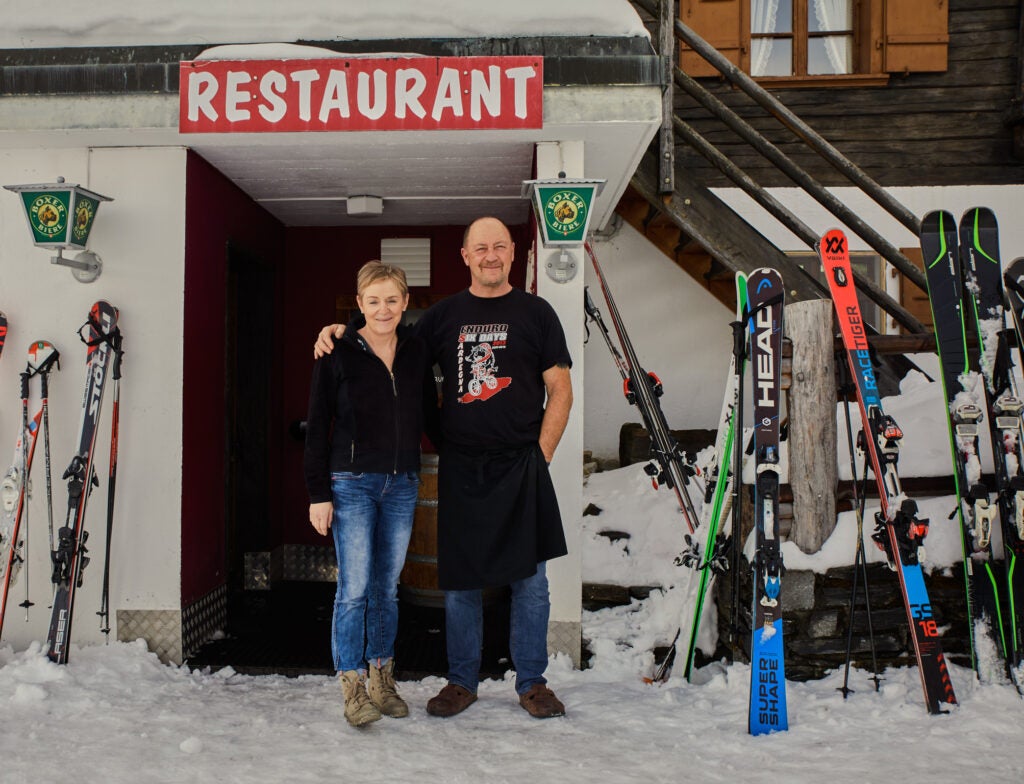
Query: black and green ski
[966,405]
[979,250]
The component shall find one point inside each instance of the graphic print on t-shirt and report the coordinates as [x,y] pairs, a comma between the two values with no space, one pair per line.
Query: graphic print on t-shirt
[480,347]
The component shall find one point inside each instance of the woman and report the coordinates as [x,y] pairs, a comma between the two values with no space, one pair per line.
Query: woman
[366,414]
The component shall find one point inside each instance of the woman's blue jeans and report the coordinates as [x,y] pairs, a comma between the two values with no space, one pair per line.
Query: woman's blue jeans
[372,523]
[528,632]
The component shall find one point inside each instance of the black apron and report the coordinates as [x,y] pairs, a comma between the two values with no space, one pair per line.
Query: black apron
[497,516]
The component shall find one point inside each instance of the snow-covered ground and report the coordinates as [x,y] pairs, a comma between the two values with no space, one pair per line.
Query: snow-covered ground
[116,715]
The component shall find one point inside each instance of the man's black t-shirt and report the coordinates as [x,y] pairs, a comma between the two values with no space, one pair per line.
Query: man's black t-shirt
[492,353]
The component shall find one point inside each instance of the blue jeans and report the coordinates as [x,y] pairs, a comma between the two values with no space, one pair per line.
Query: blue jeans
[372,524]
[528,632]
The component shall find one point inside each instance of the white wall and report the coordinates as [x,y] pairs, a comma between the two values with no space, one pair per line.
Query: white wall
[679,330]
[682,333]
[140,237]
[566,574]
[1004,200]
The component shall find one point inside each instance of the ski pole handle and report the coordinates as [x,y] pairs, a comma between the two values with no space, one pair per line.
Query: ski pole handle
[595,315]
[589,306]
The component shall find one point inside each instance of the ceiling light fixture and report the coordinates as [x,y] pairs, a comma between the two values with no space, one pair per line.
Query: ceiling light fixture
[364,206]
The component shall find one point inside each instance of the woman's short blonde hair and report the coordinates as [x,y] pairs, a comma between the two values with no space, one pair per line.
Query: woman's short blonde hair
[374,271]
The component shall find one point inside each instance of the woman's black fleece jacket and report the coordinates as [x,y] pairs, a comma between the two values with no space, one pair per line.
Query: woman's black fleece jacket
[363,418]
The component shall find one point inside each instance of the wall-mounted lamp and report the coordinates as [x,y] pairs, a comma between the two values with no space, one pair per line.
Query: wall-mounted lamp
[562,207]
[60,216]
[364,206]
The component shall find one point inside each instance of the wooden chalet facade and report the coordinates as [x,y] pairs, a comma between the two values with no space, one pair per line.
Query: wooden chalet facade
[927,105]
[949,114]
[933,99]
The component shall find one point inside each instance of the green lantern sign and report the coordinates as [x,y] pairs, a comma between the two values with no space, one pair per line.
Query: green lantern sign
[563,208]
[60,215]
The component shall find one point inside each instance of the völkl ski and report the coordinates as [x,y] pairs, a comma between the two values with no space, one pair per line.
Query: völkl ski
[899,530]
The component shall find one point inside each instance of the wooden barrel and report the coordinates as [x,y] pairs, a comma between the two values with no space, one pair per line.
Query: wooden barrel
[418,582]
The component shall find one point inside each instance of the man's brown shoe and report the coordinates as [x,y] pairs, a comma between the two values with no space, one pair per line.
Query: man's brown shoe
[541,703]
[450,700]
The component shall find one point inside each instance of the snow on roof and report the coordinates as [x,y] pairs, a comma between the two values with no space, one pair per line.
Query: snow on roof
[158,22]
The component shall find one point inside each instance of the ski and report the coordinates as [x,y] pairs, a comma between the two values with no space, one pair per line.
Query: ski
[711,560]
[102,337]
[642,389]
[1013,282]
[1013,534]
[15,487]
[898,531]
[767,707]
[966,402]
[979,249]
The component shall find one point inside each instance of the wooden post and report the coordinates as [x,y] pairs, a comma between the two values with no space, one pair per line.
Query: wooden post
[666,138]
[813,473]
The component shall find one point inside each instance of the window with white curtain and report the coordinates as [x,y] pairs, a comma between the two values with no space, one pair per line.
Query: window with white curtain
[771,37]
[830,37]
[801,37]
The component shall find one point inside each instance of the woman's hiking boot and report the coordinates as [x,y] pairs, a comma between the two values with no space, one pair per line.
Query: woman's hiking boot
[359,710]
[383,693]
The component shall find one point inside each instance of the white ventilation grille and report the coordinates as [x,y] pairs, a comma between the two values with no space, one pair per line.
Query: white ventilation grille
[412,254]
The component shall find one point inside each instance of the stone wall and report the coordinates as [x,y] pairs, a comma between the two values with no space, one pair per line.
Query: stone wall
[816,612]
[816,607]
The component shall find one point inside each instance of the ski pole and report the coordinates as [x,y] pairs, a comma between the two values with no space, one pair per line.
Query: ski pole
[115,371]
[739,349]
[51,360]
[595,315]
[44,382]
[859,501]
[25,482]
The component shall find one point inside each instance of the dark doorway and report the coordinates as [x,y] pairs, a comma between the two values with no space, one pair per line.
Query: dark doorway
[286,631]
[284,625]
[249,338]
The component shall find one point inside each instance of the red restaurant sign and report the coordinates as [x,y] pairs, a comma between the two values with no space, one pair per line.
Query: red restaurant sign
[361,94]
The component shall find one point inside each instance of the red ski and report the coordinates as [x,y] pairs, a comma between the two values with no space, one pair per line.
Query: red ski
[899,530]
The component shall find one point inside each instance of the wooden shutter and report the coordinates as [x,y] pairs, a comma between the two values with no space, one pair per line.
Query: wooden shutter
[719,22]
[916,35]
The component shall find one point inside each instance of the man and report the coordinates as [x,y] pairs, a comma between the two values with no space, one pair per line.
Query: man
[501,351]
